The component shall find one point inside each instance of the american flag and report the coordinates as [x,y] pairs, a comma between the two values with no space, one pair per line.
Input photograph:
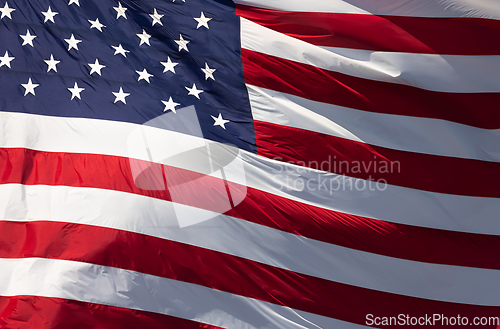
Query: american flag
[362,188]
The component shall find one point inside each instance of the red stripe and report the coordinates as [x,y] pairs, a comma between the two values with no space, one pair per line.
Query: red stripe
[370,235]
[220,271]
[33,312]
[307,81]
[356,232]
[454,36]
[414,170]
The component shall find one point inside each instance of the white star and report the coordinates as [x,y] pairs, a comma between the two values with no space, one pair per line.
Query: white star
[119,50]
[30,87]
[170,105]
[182,43]
[169,65]
[72,42]
[28,38]
[96,67]
[120,96]
[156,17]
[51,63]
[144,75]
[74,1]
[120,11]
[193,91]
[49,15]
[219,121]
[5,60]
[96,24]
[6,11]
[209,73]
[202,21]
[144,37]
[75,91]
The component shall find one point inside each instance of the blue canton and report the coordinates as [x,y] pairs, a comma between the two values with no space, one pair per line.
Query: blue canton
[126,61]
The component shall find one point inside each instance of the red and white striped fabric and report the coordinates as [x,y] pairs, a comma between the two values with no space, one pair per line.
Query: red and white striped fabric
[407,82]
[412,83]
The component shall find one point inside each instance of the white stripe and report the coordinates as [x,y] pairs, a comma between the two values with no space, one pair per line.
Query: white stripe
[251,241]
[128,289]
[445,73]
[384,202]
[416,8]
[421,135]
[395,204]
